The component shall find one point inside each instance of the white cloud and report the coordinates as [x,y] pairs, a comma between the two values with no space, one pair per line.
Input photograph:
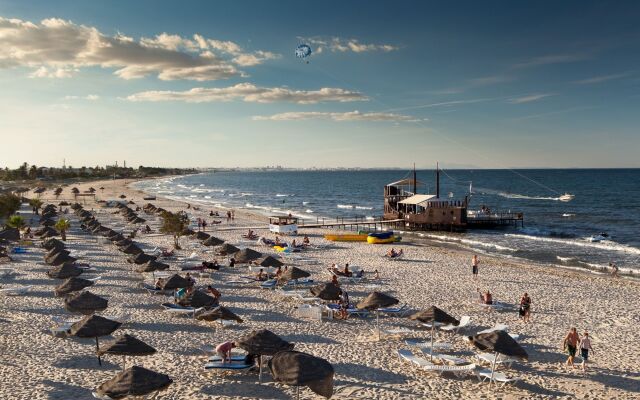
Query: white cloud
[529,98]
[552,59]
[602,78]
[90,97]
[250,93]
[336,116]
[341,45]
[57,48]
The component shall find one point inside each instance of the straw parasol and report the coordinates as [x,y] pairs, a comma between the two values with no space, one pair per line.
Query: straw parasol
[52,243]
[301,369]
[93,326]
[433,315]
[134,381]
[263,343]
[294,273]
[375,301]
[64,271]
[59,259]
[126,345]
[131,248]
[213,241]
[141,258]
[270,261]
[152,265]
[175,282]
[122,196]
[499,342]
[217,313]
[85,303]
[246,255]
[73,284]
[53,252]
[198,299]
[326,291]
[47,222]
[228,249]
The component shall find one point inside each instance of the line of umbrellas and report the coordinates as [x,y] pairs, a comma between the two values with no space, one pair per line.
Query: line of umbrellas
[129,214]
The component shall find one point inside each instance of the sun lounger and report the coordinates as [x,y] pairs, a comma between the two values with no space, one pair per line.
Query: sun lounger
[427,345]
[501,360]
[397,311]
[445,358]
[352,311]
[270,284]
[464,321]
[151,289]
[15,291]
[309,312]
[6,272]
[19,250]
[232,366]
[179,310]
[234,357]
[426,365]
[498,377]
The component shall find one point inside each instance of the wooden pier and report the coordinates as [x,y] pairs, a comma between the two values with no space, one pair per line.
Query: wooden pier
[350,223]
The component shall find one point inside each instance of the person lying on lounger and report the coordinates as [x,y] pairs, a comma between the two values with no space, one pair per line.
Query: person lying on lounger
[305,241]
[167,253]
[214,292]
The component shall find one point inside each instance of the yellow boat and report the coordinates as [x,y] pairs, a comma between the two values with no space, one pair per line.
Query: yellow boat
[375,240]
[347,238]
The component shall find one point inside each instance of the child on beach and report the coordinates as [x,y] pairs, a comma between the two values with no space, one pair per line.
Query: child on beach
[585,346]
[525,307]
[224,351]
[474,267]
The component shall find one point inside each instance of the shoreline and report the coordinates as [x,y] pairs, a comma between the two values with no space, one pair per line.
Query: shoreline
[416,235]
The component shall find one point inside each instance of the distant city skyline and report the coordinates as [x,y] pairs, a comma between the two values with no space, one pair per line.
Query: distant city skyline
[468,84]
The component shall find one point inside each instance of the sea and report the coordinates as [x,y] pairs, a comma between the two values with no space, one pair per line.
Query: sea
[555,232]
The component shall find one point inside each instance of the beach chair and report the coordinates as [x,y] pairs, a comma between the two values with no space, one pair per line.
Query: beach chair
[235,357]
[19,250]
[464,322]
[232,366]
[396,311]
[426,365]
[498,377]
[177,309]
[352,311]
[270,284]
[151,289]
[438,346]
[6,272]
[489,358]
[308,311]
[445,358]
[15,291]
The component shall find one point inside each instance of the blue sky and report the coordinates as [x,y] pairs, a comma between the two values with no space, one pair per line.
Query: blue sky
[482,84]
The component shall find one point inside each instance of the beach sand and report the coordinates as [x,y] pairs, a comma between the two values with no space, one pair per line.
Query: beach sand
[35,365]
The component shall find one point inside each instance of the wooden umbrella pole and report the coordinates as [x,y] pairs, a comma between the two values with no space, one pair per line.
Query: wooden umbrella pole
[493,367]
[431,353]
[97,352]
[260,369]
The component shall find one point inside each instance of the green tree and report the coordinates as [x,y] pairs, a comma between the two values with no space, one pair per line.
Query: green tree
[36,204]
[63,226]
[9,204]
[16,221]
[33,172]
[174,224]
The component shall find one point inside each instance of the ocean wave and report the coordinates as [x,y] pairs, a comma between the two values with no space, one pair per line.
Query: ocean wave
[309,211]
[568,215]
[566,259]
[469,242]
[284,195]
[604,245]
[304,203]
[345,206]
[363,208]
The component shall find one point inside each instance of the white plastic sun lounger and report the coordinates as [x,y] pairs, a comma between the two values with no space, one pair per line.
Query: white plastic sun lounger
[232,366]
[500,327]
[398,311]
[501,360]
[445,358]
[15,291]
[6,272]
[179,310]
[426,365]
[498,377]
[427,345]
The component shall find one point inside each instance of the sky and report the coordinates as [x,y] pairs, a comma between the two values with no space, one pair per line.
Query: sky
[495,84]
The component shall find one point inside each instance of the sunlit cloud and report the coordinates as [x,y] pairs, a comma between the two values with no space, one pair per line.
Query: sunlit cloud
[336,44]
[529,98]
[602,78]
[337,116]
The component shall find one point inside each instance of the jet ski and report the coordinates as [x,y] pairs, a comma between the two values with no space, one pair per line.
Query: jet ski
[599,238]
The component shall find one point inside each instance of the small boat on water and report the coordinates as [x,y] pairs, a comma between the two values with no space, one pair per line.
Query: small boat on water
[566,197]
[599,238]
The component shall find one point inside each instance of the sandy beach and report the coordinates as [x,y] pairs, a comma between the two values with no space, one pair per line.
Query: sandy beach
[36,365]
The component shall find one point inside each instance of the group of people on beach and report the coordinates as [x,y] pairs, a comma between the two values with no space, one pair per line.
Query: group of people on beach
[572,342]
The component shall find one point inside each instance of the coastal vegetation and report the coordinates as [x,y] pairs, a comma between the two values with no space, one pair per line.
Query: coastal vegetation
[9,204]
[174,224]
[63,226]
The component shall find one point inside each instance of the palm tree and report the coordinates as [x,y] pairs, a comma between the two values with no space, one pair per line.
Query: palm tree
[173,224]
[36,204]
[63,226]
[16,221]
[9,204]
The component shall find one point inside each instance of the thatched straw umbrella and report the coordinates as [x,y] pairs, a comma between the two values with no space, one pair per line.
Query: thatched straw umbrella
[138,220]
[46,232]
[64,271]
[302,369]
[122,196]
[72,285]
[326,291]
[293,274]
[263,343]
[270,261]
[374,301]
[47,222]
[60,258]
[175,282]
[227,248]
[131,248]
[217,313]
[434,315]
[199,299]
[246,255]
[213,241]
[499,342]
[141,258]
[134,381]
[152,265]
[126,345]
[93,326]
[85,303]
[53,252]
[53,243]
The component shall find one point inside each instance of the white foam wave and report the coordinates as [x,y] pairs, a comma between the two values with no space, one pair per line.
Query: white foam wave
[469,242]
[363,208]
[565,259]
[568,215]
[309,211]
[304,203]
[604,245]
[345,206]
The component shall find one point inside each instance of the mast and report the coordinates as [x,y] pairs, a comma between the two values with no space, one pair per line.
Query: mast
[415,181]
[437,181]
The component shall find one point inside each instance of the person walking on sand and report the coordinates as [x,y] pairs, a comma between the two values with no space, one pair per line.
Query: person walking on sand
[571,344]
[525,307]
[614,269]
[585,346]
[474,267]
